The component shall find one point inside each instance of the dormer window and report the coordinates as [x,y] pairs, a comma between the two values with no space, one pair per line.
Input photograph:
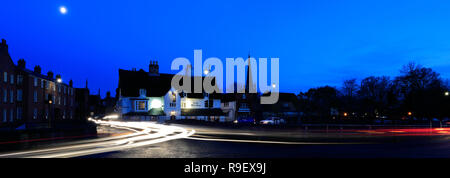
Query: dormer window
[142,92]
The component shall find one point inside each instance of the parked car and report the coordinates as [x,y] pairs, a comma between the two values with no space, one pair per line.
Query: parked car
[245,120]
[272,121]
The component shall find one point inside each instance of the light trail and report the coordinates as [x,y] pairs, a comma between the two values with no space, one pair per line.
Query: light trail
[146,133]
[270,142]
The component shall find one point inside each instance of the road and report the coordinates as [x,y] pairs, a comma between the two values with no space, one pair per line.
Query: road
[152,140]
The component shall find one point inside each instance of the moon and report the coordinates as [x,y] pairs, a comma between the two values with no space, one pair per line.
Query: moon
[63,10]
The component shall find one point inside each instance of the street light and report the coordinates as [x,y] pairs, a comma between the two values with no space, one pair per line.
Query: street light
[446,93]
[409,113]
[59,80]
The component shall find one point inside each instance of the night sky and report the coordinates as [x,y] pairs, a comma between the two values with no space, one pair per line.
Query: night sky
[318,42]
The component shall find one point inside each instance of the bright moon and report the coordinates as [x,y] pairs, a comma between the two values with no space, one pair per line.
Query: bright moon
[63,10]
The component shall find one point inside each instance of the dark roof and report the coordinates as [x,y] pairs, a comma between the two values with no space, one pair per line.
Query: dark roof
[202,112]
[227,97]
[131,81]
[156,85]
[287,102]
[151,112]
[42,76]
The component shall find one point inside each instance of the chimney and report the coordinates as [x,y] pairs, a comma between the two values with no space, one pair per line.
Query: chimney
[58,78]
[21,63]
[153,68]
[37,69]
[108,94]
[50,74]
[71,83]
[3,45]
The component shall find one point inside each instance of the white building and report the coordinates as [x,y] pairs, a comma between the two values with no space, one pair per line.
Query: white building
[150,96]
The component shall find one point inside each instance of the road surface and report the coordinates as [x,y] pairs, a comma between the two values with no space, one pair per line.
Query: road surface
[152,140]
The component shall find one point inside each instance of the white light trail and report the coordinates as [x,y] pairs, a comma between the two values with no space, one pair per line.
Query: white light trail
[150,133]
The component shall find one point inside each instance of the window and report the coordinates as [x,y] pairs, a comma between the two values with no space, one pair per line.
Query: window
[183,105]
[19,79]
[64,101]
[226,104]
[5,77]
[206,103]
[47,85]
[42,83]
[12,79]
[35,96]
[19,113]
[35,113]
[142,92]
[35,82]
[46,113]
[59,100]
[174,97]
[4,115]
[141,105]
[5,95]
[11,115]
[19,95]
[11,94]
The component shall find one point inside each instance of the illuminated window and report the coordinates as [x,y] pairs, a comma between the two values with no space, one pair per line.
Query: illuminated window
[12,79]
[5,77]
[141,105]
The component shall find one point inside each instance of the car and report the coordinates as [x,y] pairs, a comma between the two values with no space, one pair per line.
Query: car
[272,121]
[245,120]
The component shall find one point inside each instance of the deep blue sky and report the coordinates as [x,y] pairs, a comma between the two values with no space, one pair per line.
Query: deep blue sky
[318,42]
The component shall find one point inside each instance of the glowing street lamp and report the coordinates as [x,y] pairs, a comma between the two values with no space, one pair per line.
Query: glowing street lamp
[273,85]
[59,80]
[345,114]
[409,113]
[206,72]
[446,93]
